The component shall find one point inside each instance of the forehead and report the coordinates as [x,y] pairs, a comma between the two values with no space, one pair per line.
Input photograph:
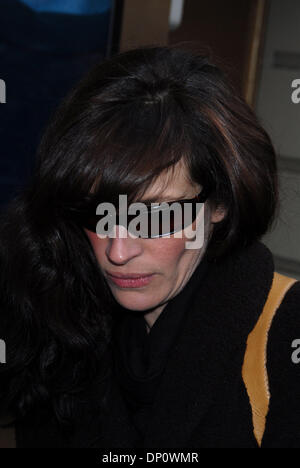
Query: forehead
[172,183]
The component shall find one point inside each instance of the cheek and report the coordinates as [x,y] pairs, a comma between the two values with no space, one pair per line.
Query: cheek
[166,252]
[175,263]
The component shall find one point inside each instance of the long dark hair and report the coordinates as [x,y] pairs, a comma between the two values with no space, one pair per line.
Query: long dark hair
[128,120]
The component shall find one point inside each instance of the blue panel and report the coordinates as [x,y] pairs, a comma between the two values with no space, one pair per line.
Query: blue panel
[75,7]
[42,55]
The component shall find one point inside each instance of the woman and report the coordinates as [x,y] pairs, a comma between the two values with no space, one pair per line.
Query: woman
[117,339]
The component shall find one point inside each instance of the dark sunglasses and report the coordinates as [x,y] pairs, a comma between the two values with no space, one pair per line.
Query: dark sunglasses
[160,219]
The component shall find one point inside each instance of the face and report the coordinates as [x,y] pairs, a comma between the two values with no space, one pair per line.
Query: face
[165,262]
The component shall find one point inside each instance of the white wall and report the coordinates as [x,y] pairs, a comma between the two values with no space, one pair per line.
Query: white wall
[281,118]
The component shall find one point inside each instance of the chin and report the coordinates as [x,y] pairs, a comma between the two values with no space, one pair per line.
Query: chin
[133,300]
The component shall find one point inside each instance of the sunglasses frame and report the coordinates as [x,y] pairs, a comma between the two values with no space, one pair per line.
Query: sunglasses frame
[82,216]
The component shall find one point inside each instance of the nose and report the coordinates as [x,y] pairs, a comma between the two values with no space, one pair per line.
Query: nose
[122,248]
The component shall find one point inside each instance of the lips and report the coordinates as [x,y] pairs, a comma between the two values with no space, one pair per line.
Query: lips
[134,280]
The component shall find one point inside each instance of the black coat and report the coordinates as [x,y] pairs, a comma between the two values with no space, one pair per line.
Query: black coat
[201,400]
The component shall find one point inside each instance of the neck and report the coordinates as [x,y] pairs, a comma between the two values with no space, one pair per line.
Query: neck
[152,316]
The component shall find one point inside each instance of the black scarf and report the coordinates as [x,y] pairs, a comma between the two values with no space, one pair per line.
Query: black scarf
[141,357]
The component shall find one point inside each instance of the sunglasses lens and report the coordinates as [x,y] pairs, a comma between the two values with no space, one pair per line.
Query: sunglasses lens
[164,220]
[157,221]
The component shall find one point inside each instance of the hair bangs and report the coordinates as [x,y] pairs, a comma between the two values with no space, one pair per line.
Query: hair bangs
[137,150]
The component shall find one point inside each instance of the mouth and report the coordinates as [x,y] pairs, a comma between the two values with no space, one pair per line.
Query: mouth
[134,280]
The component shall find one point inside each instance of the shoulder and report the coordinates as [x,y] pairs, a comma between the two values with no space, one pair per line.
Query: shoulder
[285,326]
[283,334]
[283,424]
